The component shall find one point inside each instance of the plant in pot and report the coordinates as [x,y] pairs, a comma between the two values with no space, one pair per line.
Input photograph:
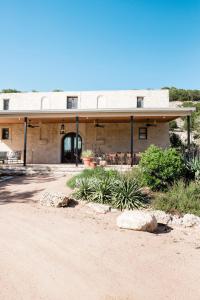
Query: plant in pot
[87,156]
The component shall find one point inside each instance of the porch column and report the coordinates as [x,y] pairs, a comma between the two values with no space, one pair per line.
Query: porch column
[131,123]
[188,131]
[77,133]
[25,139]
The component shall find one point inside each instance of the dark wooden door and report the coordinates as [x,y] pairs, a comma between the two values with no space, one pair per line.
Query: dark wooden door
[69,148]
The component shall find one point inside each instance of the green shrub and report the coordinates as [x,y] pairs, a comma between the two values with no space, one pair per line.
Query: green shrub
[180,198]
[173,125]
[193,168]
[98,172]
[161,167]
[127,194]
[102,190]
[109,187]
[87,154]
[84,188]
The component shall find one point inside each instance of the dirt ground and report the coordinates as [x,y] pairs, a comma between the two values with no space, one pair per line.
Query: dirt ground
[73,253]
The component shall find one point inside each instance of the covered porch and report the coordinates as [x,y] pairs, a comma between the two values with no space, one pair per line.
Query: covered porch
[118,136]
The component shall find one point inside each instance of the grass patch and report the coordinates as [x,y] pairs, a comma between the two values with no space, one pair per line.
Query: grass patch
[181,198]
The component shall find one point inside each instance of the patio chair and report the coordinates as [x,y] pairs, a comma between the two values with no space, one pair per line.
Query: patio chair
[3,156]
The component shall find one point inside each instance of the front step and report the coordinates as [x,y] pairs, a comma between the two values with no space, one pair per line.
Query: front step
[57,170]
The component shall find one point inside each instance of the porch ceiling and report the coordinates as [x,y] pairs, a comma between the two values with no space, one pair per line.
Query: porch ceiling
[89,116]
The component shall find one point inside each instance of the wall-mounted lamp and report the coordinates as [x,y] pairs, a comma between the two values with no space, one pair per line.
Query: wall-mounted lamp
[62,129]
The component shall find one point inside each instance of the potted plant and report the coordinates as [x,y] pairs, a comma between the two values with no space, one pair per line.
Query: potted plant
[87,156]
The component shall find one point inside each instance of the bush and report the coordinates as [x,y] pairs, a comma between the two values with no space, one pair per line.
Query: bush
[98,172]
[161,167]
[127,195]
[111,188]
[173,125]
[193,168]
[181,198]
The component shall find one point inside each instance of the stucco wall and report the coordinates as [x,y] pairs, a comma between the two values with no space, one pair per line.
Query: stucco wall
[44,143]
[87,100]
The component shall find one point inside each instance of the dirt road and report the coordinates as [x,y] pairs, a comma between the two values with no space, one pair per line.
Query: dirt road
[72,253]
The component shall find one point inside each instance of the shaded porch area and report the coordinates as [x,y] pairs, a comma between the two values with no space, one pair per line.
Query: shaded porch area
[116,136]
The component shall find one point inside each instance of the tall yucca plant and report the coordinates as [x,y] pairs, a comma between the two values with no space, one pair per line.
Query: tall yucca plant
[128,195]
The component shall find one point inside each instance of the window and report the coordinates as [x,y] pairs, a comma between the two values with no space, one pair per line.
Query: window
[72,102]
[5,104]
[5,133]
[140,102]
[142,133]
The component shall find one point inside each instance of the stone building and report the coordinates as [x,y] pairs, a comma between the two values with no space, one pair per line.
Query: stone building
[44,127]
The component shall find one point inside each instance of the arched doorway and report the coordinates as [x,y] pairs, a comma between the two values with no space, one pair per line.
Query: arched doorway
[69,148]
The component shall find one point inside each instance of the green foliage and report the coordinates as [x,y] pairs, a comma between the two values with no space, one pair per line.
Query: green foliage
[127,195]
[88,173]
[57,90]
[87,154]
[175,141]
[183,95]
[10,91]
[161,167]
[193,167]
[173,125]
[180,198]
[109,187]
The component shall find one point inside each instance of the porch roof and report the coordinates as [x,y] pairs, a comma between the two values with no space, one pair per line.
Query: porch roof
[89,115]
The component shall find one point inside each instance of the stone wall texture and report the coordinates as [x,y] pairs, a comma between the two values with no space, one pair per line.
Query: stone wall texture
[44,143]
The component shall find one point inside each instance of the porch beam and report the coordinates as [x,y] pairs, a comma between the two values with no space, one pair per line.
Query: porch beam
[77,133]
[188,131]
[25,139]
[131,123]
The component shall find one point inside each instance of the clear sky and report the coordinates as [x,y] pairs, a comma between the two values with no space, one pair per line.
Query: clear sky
[99,44]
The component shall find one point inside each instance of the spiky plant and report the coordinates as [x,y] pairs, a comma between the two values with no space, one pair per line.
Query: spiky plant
[128,195]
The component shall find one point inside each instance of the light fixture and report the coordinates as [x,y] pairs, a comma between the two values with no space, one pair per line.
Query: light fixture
[62,129]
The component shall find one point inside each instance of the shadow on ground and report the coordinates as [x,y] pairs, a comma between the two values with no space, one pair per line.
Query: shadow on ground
[17,190]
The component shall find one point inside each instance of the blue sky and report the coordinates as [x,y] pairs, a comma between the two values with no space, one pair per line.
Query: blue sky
[99,44]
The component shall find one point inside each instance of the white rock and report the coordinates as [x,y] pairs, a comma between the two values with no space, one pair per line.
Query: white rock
[137,220]
[190,220]
[176,220]
[54,199]
[161,216]
[99,208]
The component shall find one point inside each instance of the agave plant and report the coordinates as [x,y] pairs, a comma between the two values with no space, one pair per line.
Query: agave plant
[84,188]
[103,190]
[128,195]
[193,166]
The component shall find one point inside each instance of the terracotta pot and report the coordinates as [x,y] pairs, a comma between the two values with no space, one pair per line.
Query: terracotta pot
[93,164]
[86,161]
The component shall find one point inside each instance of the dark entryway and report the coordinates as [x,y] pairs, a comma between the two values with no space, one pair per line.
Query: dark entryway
[69,148]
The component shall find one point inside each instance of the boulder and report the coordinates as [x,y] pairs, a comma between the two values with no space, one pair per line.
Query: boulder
[54,199]
[161,216]
[137,220]
[190,220]
[99,208]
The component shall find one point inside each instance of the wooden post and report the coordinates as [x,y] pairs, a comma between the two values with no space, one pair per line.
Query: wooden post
[77,134]
[188,131]
[131,123]
[25,139]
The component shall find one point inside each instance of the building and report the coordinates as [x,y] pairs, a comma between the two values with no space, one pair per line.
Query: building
[44,128]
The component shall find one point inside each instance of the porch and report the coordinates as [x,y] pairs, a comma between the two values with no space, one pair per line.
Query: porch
[111,134]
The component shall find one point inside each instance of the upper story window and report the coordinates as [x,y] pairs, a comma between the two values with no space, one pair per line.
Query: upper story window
[6,104]
[140,102]
[143,133]
[5,134]
[72,102]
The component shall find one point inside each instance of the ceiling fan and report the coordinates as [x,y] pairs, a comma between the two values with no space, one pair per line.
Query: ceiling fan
[31,125]
[154,124]
[97,125]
